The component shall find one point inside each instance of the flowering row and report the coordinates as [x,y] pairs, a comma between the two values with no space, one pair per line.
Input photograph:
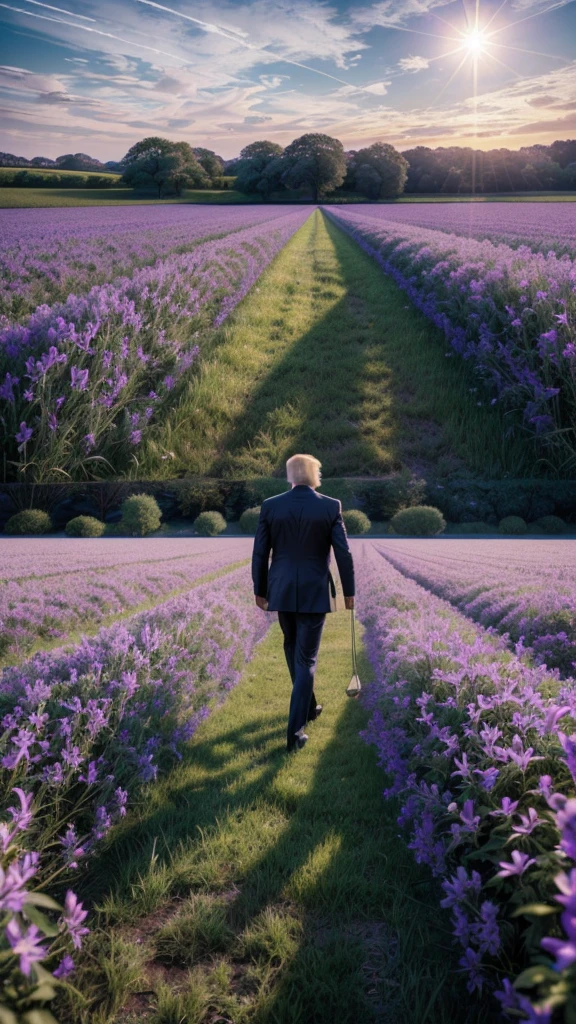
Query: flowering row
[84,730]
[476,741]
[34,609]
[20,560]
[511,313]
[84,381]
[49,253]
[541,227]
[533,604]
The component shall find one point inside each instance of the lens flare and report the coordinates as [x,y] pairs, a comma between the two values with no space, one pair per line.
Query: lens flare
[475,42]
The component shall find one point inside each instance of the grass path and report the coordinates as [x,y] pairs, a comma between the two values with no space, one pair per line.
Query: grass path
[258,887]
[326,355]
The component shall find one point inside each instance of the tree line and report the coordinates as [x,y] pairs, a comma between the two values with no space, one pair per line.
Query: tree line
[317,165]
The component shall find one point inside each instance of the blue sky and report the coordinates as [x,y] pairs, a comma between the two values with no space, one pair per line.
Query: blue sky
[95,76]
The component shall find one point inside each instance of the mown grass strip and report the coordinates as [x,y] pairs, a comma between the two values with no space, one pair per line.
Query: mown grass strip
[325,355]
[257,887]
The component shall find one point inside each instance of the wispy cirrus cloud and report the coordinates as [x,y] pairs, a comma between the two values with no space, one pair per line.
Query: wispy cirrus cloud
[226,71]
[414,63]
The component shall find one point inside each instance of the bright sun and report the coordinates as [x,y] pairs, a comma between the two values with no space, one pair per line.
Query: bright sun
[475,42]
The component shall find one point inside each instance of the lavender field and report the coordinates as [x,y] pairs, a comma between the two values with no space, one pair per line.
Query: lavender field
[108,316]
[509,312]
[471,712]
[472,716]
[86,727]
[86,378]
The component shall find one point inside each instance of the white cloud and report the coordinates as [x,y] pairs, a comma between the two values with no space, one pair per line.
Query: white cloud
[377,88]
[273,81]
[413,63]
[540,6]
[392,13]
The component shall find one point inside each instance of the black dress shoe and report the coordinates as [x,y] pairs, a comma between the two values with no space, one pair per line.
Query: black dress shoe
[299,742]
[316,714]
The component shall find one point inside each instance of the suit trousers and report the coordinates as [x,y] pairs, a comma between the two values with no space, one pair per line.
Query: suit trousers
[302,634]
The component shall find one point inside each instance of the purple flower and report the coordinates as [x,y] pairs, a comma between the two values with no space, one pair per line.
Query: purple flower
[520,862]
[79,378]
[26,944]
[65,967]
[73,916]
[89,442]
[136,437]
[23,435]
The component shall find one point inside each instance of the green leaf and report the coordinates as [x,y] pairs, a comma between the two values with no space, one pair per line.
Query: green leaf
[534,976]
[40,899]
[538,909]
[39,1017]
[41,921]
[7,1016]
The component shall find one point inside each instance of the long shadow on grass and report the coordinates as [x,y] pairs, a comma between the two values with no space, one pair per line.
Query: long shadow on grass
[315,396]
[367,952]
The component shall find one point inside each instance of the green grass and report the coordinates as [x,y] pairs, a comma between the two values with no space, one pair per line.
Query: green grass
[325,354]
[492,197]
[257,887]
[11,198]
[7,173]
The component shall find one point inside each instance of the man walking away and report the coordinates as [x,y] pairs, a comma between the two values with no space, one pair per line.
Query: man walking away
[299,527]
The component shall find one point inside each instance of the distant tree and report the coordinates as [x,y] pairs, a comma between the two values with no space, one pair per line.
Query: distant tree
[153,146]
[259,168]
[78,162]
[349,182]
[261,150]
[570,175]
[210,161]
[169,167]
[563,153]
[389,170]
[42,161]
[367,181]
[317,161]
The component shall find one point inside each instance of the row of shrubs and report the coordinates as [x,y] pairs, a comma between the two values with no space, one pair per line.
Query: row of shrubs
[460,500]
[141,515]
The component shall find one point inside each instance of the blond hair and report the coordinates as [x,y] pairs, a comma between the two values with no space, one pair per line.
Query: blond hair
[303,469]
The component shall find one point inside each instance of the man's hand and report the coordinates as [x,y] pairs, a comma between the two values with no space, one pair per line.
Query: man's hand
[261,602]
[349,603]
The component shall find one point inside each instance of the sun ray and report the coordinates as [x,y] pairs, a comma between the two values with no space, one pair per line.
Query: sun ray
[503,64]
[452,77]
[535,14]
[520,49]
[495,15]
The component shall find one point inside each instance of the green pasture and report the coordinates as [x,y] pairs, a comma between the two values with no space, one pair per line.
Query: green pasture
[15,198]
[8,173]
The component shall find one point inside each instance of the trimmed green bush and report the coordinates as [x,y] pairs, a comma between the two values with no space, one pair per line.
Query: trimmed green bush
[196,496]
[209,524]
[114,530]
[381,499]
[418,521]
[140,515]
[249,520]
[356,522]
[30,520]
[512,525]
[478,527]
[551,524]
[85,526]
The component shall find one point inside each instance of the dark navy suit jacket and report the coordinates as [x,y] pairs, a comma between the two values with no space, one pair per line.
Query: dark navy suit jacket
[299,527]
